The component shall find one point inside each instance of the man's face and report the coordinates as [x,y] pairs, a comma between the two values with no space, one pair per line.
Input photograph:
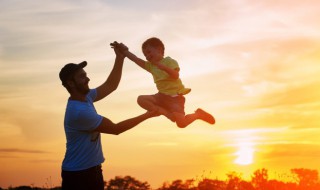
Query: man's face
[81,81]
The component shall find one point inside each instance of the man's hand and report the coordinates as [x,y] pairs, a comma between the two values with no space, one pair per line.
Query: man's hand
[119,46]
[115,46]
[152,113]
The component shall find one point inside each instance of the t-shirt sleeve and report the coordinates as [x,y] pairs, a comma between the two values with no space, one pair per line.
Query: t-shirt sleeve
[147,66]
[173,64]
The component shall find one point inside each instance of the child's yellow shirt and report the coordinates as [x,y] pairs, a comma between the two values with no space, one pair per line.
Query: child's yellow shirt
[166,84]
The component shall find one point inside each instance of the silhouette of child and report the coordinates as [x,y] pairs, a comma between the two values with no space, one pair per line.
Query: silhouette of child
[170,100]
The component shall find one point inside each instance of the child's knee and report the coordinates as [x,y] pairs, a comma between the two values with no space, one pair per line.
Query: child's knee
[181,123]
[179,116]
[139,99]
[143,98]
[180,120]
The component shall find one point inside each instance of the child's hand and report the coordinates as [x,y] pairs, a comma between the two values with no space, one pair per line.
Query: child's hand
[174,73]
[120,46]
[114,44]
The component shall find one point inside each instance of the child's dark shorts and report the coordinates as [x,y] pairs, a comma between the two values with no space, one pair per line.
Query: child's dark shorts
[172,104]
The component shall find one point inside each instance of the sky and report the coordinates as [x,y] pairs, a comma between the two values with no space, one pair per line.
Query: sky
[254,65]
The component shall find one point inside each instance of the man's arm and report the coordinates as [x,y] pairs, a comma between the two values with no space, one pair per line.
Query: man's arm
[107,126]
[112,82]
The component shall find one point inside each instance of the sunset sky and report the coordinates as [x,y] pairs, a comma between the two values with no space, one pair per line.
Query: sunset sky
[255,65]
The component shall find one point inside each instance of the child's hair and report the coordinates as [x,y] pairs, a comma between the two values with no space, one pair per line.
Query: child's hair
[154,42]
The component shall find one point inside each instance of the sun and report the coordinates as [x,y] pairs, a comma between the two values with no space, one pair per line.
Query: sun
[244,155]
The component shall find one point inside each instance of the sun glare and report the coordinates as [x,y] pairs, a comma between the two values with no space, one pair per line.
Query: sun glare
[244,155]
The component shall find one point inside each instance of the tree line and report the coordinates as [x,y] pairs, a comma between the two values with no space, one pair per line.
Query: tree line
[301,179]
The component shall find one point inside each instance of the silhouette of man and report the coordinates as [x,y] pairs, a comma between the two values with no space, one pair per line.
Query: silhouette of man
[81,167]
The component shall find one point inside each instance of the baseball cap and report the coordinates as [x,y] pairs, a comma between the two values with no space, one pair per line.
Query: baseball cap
[69,69]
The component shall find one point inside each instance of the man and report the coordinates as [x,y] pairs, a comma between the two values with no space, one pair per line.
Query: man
[81,167]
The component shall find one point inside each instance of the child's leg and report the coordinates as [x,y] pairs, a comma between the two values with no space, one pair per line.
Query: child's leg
[149,102]
[184,120]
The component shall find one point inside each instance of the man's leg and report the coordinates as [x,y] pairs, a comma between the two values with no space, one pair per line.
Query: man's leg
[95,179]
[83,180]
[73,180]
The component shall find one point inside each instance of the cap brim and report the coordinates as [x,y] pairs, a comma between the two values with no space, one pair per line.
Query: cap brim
[82,64]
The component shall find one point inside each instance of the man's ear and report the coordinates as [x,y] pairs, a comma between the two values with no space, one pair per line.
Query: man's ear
[70,83]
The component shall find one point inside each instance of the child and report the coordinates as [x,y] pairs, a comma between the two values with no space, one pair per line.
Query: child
[170,100]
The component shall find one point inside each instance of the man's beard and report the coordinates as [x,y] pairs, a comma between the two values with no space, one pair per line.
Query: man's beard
[83,89]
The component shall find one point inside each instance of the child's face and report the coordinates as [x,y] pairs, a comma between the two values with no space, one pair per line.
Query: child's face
[153,54]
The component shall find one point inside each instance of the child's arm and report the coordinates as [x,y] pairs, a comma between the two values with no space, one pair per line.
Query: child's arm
[174,73]
[125,51]
[134,58]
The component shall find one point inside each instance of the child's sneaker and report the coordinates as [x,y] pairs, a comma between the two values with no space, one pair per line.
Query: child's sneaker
[205,116]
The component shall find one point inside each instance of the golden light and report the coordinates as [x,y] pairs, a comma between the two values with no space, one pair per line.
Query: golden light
[244,154]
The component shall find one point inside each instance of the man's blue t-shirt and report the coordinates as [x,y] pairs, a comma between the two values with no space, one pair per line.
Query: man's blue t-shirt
[83,145]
